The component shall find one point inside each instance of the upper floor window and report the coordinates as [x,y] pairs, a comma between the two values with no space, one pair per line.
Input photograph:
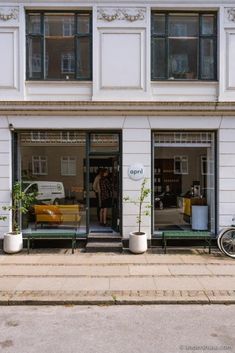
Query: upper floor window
[184,46]
[58,45]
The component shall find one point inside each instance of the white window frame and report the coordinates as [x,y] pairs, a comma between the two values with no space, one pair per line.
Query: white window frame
[209,166]
[67,63]
[39,165]
[68,165]
[38,135]
[183,160]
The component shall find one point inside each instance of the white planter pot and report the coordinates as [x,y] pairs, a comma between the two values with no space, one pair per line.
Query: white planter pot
[138,243]
[12,243]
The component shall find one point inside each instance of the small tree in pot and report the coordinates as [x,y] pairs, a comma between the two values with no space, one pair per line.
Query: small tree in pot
[138,239]
[21,202]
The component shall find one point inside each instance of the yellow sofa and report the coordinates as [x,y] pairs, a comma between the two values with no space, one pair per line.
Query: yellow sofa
[57,214]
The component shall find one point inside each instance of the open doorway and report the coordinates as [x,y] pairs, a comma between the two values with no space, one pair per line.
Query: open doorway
[104,167]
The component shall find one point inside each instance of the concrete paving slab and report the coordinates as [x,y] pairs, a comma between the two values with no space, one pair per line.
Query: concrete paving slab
[149,270]
[226,269]
[85,270]
[9,284]
[132,283]
[90,259]
[207,258]
[217,283]
[180,283]
[163,258]
[189,270]
[33,284]
[23,270]
[21,259]
[86,284]
[129,259]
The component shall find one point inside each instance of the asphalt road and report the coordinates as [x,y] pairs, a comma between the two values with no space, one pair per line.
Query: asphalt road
[118,329]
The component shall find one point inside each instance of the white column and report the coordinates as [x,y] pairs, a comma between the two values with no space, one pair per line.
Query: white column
[226,171]
[136,149]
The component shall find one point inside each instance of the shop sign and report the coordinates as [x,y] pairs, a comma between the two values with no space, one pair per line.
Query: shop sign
[136,171]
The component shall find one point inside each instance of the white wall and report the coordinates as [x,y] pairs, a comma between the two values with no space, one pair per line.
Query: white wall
[5,172]
[121,55]
[227,54]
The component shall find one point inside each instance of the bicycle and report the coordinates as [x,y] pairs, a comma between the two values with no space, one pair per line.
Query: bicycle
[226,241]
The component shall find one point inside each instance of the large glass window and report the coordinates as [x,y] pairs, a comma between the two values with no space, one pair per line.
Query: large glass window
[58,45]
[64,169]
[52,166]
[183,46]
[184,181]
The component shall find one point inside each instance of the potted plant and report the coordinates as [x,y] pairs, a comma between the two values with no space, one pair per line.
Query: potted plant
[138,239]
[21,201]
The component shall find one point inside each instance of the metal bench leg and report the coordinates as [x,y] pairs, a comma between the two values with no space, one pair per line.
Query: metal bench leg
[210,246]
[165,245]
[28,244]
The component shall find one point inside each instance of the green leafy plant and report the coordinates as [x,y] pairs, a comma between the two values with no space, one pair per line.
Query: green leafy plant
[21,202]
[143,209]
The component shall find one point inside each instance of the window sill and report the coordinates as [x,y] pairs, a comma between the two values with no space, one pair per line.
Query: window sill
[58,82]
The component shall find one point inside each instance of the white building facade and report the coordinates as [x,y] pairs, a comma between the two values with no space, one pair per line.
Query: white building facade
[86,85]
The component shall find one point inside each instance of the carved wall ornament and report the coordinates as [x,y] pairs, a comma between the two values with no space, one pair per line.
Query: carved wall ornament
[131,15]
[231,14]
[9,14]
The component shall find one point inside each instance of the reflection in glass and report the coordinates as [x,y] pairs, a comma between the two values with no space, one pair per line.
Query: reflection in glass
[159,62]
[53,166]
[159,24]
[83,23]
[34,58]
[207,58]
[208,24]
[183,58]
[184,176]
[83,57]
[183,25]
[104,143]
[34,24]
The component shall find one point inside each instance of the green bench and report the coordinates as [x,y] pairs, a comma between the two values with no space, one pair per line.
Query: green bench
[49,234]
[186,235]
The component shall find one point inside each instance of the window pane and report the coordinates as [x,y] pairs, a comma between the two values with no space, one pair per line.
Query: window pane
[83,58]
[34,58]
[208,24]
[183,25]
[159,60]
[34,24]
[59,25]
[59,58]
[183,58]
[158,24]
[207,59]
[83,23]
[104,143]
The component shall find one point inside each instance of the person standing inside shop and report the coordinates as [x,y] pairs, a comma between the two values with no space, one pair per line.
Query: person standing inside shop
[96,188]
[105,196]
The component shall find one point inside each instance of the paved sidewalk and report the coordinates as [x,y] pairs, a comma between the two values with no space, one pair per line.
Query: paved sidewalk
[56,276]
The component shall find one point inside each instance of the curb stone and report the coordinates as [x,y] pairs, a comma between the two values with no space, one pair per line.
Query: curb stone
[115,297]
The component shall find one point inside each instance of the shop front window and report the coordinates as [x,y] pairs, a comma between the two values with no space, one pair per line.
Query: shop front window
[52,166]
[184,181]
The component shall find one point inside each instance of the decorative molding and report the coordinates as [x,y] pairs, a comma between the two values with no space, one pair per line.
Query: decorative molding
[128,14]
[7,14]
[231,14]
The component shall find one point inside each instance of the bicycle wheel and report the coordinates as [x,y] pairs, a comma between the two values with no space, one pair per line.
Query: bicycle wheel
[227,242]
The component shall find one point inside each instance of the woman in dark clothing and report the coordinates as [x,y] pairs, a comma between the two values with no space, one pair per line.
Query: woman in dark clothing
[105,196]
